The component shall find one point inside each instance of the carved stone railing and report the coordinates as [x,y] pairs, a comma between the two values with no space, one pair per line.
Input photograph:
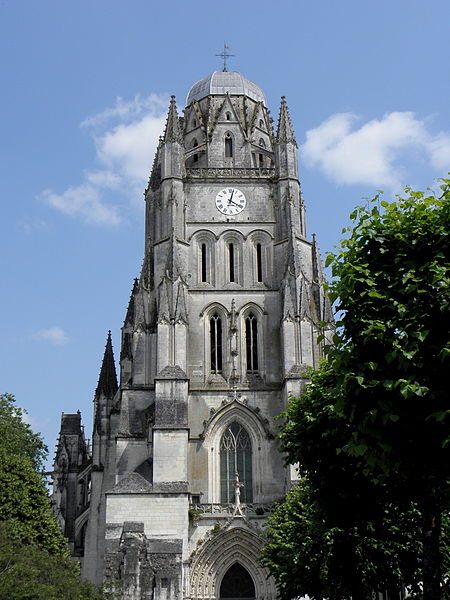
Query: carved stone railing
[231,172]
[251,509]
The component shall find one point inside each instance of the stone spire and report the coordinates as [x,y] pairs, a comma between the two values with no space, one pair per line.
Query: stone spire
[129,317]
[285,132]
[173,132]
[107,381]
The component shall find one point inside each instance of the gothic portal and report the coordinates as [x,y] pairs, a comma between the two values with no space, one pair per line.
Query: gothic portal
[220,328]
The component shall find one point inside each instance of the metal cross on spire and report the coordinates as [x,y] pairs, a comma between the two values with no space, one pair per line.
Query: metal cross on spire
[224,55]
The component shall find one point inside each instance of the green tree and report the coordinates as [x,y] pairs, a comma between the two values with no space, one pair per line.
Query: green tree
[393,353]
[338,534]
[34,560]
[24,502]
[28,572]
[16,436]
[386,378]
[25,506]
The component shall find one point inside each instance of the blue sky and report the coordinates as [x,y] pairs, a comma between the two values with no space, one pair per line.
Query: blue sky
[84,93]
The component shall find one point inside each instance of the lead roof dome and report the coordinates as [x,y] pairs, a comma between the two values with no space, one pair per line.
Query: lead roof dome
[223,82]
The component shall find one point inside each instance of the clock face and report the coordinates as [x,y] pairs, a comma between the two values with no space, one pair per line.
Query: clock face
[230,201]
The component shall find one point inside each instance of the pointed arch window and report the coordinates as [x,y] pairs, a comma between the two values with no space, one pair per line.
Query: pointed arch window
[215,338]
[235,457]
[231,263]
[228,116]
[228,146]
[205,258]
[251,343]
[203,262]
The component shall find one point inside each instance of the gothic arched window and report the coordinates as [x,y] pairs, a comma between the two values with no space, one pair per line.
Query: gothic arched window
[228,146]
[203,262]
[251,342]
[215,338]
[228,116]
[235,457]
[231,263]
[205,257]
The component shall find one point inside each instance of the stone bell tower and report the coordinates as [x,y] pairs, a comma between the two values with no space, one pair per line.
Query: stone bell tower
[220,328]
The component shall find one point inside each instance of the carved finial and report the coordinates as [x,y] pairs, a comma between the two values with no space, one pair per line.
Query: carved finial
[285,132]
[172,132]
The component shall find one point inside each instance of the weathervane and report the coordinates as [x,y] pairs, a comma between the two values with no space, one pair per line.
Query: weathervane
[224,55]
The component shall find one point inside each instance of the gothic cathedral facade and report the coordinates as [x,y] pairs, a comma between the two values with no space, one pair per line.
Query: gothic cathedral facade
[221,327]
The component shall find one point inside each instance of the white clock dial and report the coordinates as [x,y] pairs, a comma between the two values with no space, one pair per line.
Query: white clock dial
[230,201]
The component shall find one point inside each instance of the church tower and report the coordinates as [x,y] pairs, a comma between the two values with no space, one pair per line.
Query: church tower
[221,327]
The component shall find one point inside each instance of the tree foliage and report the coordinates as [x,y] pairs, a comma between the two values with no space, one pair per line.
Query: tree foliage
[372,431]
[339,534]
[392,284]
[34,560]
[25,506]
[16,436]
[27,572]
[24,502]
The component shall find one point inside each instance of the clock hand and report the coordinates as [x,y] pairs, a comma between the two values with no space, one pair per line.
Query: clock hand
[235,203]
[231,197]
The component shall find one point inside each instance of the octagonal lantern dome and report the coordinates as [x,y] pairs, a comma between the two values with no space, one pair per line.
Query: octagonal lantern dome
[223,82]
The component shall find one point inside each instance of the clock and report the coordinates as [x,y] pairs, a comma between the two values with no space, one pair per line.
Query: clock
[230,201]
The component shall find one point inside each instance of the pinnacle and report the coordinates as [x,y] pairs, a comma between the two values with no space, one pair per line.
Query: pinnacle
[172,132]
[107,381]
[285,132]
[129,317]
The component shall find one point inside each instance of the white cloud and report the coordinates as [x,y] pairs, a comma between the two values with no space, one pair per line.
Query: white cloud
[439,149]
[28,226]
[54,335]
[372,154]
[125,138]
[128,149]
[85,201]
[128,110]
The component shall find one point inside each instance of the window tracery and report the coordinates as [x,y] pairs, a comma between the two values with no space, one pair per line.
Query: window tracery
[235,457]
[215,336]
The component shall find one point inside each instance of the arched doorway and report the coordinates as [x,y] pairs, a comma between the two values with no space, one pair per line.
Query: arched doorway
[237,584]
